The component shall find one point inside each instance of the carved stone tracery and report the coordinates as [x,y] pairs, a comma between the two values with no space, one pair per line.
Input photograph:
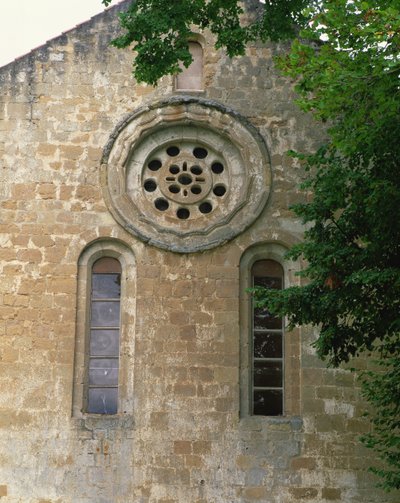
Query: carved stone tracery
[186,175]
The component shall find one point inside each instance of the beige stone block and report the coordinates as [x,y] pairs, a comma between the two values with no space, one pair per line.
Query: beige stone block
[226,289]
[61,285]
[14,419]
[182,288]
[16,300]
[30,255]
[226,374]
[46,190]
[9,355]
[159,420]
[303,463]
[303,493]
[185,390]
[182,447]
[46,149]
[203,374]
[23,190]
[193,461]
[187,332]
[178,318]
[258,493]
[72,152]
[244,462]
[201,447]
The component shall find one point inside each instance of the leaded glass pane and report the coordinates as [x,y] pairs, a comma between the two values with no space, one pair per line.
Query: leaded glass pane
[264,320]
[268,282]
[106,286]
[268,402]
[103,371]
[105,314]
[104,342]
[268,374]
[103,400]
[268,345]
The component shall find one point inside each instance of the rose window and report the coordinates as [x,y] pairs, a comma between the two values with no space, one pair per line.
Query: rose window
[185,180]
[186,176]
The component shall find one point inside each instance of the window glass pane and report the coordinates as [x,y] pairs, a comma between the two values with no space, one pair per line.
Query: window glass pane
[264,320]
[106,265]
[103,401]
[106,286]
[267,345]
[268,282]
[103,371]
[105,314]
[268,374]
[267,267]
[104,342]
[268,402]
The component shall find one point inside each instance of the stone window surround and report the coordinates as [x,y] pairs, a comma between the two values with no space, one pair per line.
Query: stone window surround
[262,251]
[92,252]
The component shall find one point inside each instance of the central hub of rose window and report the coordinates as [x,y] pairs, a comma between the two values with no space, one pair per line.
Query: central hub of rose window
[185,180]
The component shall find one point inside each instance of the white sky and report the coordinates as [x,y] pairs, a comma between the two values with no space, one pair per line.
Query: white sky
[26,24]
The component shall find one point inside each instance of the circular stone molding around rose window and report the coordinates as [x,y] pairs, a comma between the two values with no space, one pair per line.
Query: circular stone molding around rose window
[186,174]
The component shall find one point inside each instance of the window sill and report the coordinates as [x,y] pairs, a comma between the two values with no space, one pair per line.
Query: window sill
[292,423]
[90,422]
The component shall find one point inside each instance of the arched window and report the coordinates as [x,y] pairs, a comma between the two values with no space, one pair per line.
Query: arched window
[267,397]
[104,331]
[191,78]
[269,358]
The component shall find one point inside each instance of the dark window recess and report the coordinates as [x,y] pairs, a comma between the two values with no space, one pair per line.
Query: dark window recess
[173,151]
[174,170]
[196,170]
[267,351]
[200,153]
[183,213]
[174,189]
[205,207]
[103,368]
[154,165]
[196,189]
[185,179]
[150,185]
[217,168]
[219,190]
[161,204]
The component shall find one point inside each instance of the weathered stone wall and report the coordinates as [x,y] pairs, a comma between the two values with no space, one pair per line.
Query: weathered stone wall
[184,439]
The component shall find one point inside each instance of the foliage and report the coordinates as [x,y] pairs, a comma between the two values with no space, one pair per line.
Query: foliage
[352,242]
[346,66]
[380,391]
[159,30]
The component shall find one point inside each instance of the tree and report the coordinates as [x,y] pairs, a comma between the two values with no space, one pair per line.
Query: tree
[345,63]
[159,30]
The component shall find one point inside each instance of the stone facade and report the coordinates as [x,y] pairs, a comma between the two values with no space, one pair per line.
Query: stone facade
[183,433]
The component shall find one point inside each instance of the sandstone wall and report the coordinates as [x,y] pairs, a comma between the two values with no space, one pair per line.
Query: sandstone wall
[184,439]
